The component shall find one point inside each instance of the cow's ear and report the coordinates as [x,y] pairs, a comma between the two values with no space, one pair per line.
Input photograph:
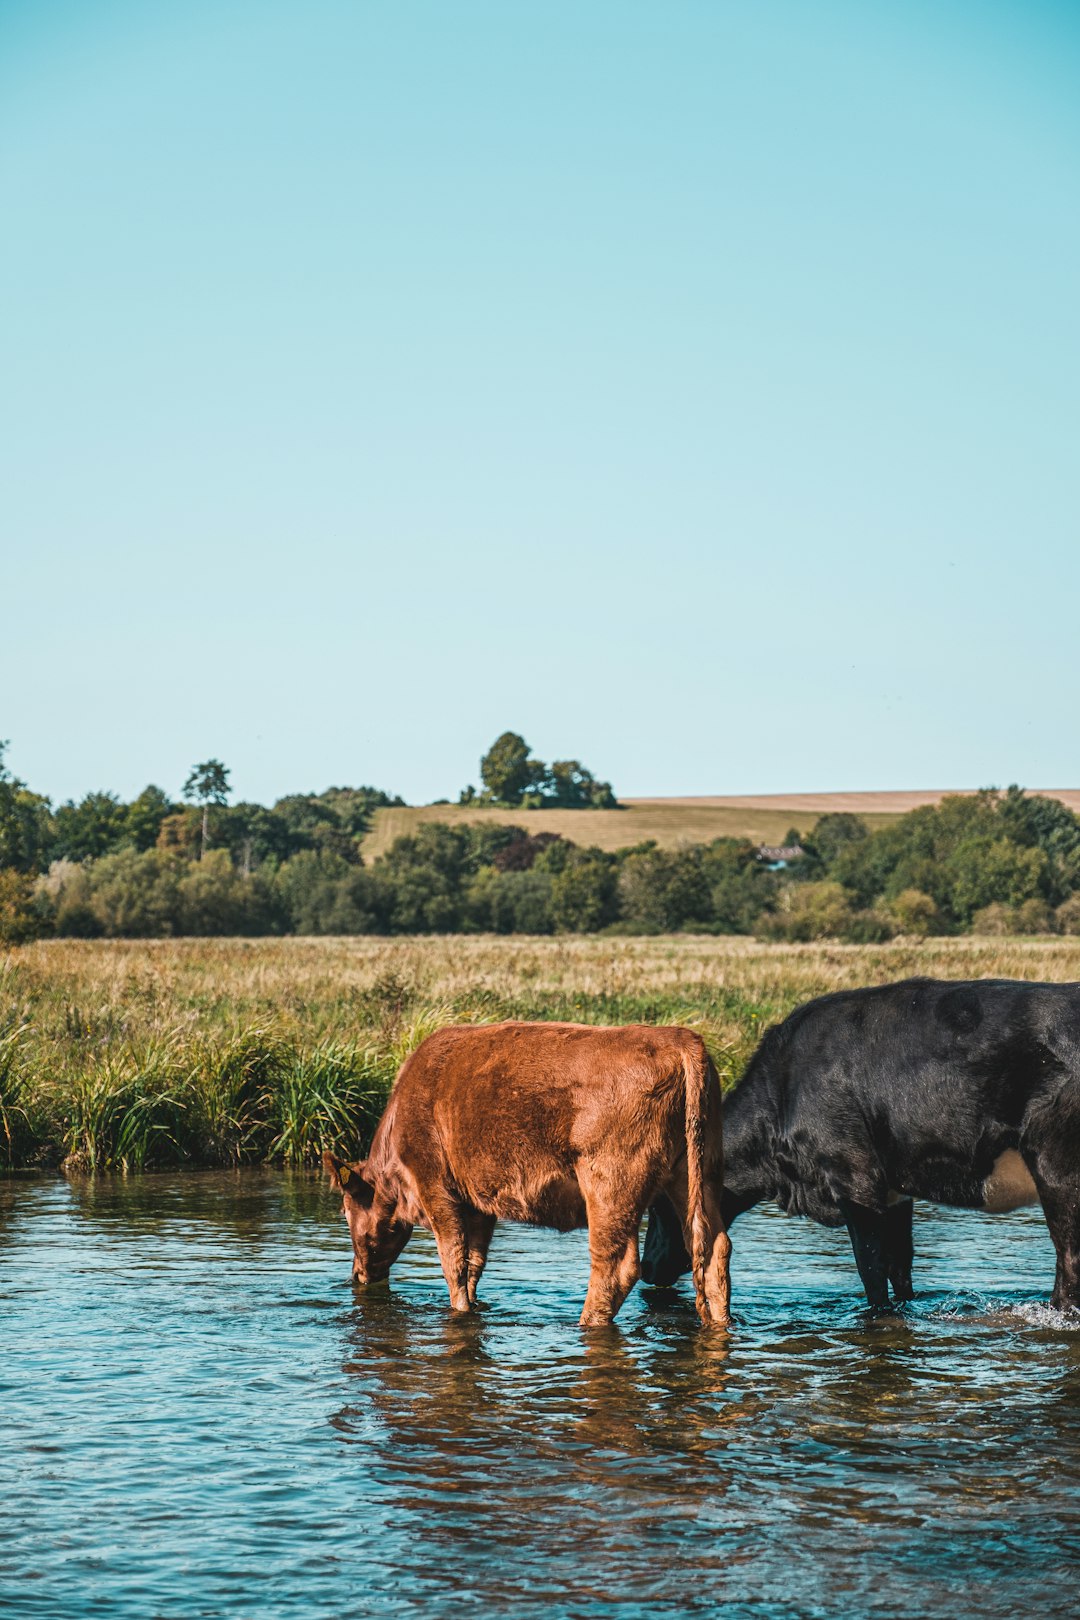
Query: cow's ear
[334,1168]
[348,1178]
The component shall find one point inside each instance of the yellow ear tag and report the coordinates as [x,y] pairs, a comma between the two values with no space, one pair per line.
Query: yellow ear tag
[343,1180]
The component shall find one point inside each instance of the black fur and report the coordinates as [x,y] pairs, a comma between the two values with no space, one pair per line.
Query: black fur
[912,1089]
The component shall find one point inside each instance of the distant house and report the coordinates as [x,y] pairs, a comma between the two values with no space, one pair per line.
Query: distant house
[777,856]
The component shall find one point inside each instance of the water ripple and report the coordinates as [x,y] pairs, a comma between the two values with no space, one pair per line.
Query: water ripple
[199,1417]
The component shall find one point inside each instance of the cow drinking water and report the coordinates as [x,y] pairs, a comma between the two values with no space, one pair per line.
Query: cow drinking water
[560,1125]
[961,1093]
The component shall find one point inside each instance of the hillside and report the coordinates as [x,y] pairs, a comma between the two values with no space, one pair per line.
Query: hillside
[765,818]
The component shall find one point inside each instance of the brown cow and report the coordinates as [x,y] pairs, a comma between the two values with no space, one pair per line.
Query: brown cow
[561,1125]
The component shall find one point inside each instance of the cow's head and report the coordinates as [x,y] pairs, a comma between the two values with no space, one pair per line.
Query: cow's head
[378,1230]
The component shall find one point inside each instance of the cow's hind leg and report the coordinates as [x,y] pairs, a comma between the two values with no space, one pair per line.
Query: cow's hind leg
[478,1230]
[447,1219]
[714,1299]
[867,1229]
[1061,1206]
[899,1249]
[717,1304]
[613,1251]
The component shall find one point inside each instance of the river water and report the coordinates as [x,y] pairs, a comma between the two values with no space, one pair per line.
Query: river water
[199,1417]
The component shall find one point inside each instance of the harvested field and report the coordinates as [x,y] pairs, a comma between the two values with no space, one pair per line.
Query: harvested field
[763,818]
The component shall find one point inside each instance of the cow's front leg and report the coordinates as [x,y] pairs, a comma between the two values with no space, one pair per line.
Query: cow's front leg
[613,1251]
[447,1221]
[665,1259]
[478,1230]
[868,1239]
[899,1248]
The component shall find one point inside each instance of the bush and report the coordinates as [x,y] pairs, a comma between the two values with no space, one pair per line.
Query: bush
[19,920]
[914,912]
[130,895]
[1067,916]
[996,919]
[75,919]
[1030,917]
[1034,917]
[809,911]
[214,898]
[868,928]
[522,850]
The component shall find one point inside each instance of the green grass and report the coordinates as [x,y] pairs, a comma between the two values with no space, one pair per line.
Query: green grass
[128,1055]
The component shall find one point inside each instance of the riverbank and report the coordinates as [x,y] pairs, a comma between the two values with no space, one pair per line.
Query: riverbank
[132,1054]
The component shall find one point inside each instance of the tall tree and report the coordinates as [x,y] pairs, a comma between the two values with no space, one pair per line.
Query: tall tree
[507,771]
[207,784]
[96,826]
[26,824]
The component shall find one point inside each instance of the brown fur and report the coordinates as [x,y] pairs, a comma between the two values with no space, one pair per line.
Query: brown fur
[561,1125]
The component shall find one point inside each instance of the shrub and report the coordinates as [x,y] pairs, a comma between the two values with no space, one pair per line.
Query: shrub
[914,912]
[1029,917]
[19,919]
[1067,916]
[1033,917]
[214,898]
[809,911]
[521,851]
[133,895]
[868,928]
[994,919]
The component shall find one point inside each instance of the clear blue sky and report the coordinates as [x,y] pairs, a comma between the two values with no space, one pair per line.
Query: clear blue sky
[694,387]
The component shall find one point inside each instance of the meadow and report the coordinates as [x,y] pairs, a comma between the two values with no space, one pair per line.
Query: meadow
[127,1055]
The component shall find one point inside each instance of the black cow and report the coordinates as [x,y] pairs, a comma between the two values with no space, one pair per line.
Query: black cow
[963,1093]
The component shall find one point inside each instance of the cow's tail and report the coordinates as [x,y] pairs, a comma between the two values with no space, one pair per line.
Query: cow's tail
[697,1070]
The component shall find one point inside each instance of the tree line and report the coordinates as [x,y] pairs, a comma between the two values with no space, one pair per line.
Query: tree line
[990,862]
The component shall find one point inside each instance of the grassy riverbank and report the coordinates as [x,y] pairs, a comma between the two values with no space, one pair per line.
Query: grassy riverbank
[133,1054]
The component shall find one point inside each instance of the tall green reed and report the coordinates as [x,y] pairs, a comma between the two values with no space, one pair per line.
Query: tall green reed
[16,1121]
[330,1096]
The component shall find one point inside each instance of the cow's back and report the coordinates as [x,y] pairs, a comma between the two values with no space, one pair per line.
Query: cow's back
[509,1111]
[917,1086]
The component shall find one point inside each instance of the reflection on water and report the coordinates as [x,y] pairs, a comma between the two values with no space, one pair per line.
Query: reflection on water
[199,1417]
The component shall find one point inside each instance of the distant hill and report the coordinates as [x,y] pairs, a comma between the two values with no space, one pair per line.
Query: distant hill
[764,818]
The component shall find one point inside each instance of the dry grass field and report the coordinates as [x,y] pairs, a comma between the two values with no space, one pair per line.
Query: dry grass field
[670,821]
[130,1053]
[763,819]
